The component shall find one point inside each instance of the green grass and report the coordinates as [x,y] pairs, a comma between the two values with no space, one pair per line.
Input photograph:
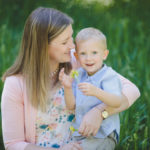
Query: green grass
[9,45]
[128,42]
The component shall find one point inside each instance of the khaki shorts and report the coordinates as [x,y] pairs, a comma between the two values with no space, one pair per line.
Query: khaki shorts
[93,143]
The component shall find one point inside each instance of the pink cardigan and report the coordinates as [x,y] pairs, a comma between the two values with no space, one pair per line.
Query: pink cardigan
[18,116]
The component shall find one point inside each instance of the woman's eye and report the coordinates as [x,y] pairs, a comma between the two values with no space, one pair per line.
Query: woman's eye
[82,53]
[64,43]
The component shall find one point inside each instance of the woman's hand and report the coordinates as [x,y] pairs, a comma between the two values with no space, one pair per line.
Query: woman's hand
[65,79]
[71,146]
[91,123]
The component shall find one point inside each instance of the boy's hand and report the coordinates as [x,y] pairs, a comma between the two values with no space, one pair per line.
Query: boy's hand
[65,79]
[87,89]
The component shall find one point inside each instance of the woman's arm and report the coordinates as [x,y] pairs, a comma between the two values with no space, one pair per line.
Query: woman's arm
[129,90]
[12,107]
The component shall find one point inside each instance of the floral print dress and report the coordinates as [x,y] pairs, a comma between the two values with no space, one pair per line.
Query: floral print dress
[52,126]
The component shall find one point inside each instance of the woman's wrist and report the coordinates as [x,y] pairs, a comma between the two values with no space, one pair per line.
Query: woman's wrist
[103,112]
[101,107]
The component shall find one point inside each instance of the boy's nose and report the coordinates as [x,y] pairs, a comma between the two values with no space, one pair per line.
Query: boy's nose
[88,57]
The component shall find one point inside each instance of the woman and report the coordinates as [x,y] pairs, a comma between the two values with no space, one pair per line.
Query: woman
[34,116]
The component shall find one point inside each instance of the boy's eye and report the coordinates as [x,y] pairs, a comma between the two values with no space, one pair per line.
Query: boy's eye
[94,52]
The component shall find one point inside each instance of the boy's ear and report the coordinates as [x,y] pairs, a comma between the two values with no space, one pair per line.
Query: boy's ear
[106,52]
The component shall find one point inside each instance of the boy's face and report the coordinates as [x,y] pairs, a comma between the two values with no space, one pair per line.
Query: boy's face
[91,55]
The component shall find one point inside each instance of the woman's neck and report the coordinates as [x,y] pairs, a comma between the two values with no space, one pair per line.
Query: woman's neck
[54,68]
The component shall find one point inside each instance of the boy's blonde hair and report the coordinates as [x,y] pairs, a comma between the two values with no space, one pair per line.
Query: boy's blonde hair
[91,33]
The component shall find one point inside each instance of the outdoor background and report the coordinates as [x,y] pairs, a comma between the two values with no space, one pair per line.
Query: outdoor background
[126,24]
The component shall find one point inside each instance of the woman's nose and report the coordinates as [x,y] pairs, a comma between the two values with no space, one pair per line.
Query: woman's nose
[71,44]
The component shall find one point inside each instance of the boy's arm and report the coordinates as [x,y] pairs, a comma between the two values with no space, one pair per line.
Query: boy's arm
[110,94]
[109,99]
[130,93]
[66,81]
[69,98]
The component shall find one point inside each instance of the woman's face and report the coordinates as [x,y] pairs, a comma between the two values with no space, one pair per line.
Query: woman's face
[59,48]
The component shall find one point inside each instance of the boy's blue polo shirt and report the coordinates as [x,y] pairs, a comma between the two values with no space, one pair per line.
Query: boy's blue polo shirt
[106,79]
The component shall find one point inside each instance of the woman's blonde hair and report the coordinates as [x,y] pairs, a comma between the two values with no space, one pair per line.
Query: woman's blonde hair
[41,27]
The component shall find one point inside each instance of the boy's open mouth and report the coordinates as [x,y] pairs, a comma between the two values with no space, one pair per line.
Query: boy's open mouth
[89,65]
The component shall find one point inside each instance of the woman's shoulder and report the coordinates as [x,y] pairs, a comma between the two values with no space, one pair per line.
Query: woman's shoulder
[14,78]
[13,91]
[14,81]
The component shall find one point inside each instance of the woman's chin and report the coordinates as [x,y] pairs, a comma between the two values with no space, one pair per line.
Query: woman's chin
[67,59]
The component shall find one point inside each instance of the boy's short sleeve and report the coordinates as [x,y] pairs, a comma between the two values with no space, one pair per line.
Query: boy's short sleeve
[111,83]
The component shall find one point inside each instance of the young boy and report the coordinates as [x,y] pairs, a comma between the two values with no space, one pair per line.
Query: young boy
[97,83]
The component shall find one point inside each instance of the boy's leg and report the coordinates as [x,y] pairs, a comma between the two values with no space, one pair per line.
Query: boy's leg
[108,143]
[93,143]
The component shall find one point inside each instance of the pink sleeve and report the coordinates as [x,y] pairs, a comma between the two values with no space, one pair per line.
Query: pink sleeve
[129,90]
[12,106]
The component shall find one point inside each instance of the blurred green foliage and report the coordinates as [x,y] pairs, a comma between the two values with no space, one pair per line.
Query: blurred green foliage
[126,25]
